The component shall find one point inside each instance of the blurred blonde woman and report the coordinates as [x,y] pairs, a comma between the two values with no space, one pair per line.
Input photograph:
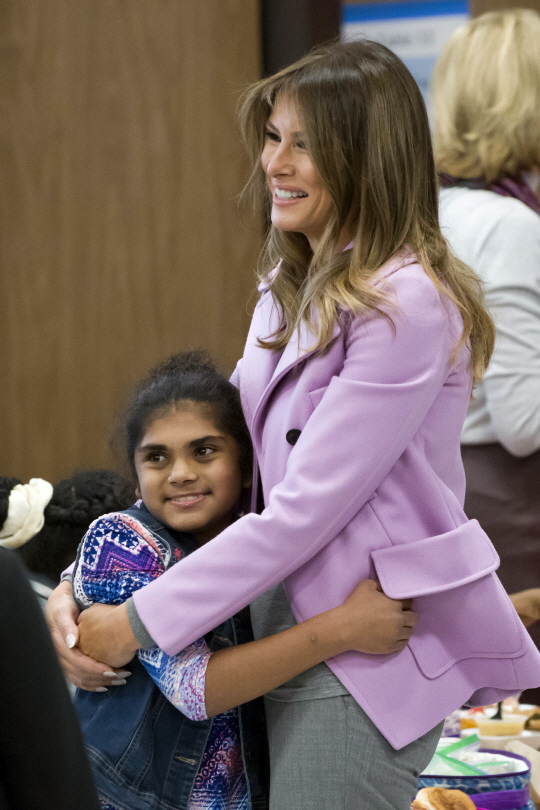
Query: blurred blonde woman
[486,97]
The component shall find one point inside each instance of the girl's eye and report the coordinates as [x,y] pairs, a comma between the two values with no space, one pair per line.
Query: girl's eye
[204,451]
[300,144]
[272,136]
[155,457]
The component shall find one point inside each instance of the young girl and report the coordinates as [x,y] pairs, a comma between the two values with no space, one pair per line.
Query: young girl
[172,737]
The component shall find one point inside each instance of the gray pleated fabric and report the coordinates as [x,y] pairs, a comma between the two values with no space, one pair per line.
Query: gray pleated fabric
[326,754]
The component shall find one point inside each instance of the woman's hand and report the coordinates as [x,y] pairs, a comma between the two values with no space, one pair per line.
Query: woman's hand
[84,672]
[527,604]
[370,622]
[105,634]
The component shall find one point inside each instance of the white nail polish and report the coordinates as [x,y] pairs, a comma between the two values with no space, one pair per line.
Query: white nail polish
[110,674]
[100,689]
[70,640]
[123,674]
[118,682]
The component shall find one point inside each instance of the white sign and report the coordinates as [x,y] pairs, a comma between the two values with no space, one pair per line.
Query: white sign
[416,31]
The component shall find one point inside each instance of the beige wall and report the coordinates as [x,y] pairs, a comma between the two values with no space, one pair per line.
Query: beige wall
[121,238]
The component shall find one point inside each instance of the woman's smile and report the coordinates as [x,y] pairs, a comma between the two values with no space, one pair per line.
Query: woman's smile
[285,194]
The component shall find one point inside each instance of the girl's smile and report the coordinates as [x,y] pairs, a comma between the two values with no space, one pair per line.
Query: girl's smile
[188,471]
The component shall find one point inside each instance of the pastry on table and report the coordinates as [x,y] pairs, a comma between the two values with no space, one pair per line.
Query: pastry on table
[435,798]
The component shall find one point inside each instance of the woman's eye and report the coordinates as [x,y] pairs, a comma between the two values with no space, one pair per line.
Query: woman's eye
[155,457]
[272,136]
[300,144]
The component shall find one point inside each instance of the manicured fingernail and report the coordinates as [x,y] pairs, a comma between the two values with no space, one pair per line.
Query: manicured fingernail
[110,674]
[100,689]
[71,640]
[118,682]
[123,674]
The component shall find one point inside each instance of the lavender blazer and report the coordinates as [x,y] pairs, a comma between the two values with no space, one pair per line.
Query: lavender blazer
[373,487]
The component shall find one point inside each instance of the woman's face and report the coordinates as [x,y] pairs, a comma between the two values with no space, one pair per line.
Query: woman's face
[300,201]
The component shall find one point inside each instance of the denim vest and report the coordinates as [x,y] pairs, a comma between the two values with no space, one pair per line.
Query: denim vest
[145,753]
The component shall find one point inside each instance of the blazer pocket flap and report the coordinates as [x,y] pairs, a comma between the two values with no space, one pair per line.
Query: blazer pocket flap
[436,564]
[474,621]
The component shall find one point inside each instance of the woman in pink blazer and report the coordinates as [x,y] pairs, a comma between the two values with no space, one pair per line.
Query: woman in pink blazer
[355,382]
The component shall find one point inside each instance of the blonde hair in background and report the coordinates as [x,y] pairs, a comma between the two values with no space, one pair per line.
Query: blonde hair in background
[366,131]
[486,97]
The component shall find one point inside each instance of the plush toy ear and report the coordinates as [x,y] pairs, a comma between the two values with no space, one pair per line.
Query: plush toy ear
[441,799]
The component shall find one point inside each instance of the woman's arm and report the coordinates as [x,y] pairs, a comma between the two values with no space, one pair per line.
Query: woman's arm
[200,683]
[86,673]
[367,621]
[391,376]
[527,605]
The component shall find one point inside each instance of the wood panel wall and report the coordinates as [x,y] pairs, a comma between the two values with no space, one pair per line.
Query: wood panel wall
[121,240]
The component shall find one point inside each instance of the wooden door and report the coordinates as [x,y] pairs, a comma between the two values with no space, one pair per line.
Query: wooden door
[121,240]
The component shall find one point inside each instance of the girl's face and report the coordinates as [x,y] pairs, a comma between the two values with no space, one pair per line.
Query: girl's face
[188,472]
[289,171]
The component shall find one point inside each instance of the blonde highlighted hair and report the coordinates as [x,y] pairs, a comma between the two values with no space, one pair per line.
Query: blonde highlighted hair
[366,131]
[486,97]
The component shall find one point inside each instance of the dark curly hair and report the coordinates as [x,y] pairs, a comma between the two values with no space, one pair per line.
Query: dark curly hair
[190,376]
[6,485]
[75,503]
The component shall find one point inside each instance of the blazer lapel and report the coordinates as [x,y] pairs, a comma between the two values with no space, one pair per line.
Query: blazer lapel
[300,346]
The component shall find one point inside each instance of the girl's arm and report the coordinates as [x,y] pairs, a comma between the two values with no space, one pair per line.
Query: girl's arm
[202,684]
[114,560]
[367,621]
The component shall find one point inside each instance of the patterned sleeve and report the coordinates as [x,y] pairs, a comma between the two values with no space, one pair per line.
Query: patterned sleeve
[117,556]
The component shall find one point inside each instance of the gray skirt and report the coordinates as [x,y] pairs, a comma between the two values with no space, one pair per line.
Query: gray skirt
[326,754]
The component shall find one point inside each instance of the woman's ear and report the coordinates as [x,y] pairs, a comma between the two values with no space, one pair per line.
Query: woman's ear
[138,491]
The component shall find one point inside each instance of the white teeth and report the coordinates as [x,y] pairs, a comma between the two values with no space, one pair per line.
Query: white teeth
[285,195]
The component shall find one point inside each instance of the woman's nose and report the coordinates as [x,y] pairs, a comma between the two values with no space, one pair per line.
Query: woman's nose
[280,163]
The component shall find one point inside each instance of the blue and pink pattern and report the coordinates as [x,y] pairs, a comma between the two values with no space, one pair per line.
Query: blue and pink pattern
[117,556]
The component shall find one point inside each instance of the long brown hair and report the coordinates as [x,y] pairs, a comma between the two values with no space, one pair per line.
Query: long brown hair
[366,131]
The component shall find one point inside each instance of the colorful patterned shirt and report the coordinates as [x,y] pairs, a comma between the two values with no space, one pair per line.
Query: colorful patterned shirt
[118,555]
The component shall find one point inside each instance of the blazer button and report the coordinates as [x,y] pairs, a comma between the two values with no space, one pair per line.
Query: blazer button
[293,435]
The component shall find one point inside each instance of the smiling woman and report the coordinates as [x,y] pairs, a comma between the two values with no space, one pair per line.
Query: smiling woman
[355,382]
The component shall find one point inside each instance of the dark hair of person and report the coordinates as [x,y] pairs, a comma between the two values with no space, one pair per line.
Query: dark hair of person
[75,503]
[189,377]
[6,485]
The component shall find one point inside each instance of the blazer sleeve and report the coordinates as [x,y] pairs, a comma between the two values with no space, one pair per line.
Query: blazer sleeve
[367,417]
